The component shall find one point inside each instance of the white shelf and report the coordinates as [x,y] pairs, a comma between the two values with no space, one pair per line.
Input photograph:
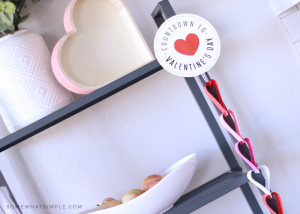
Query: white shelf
[290,20]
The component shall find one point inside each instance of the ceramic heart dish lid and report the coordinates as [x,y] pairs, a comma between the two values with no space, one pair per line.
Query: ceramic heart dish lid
[187,45]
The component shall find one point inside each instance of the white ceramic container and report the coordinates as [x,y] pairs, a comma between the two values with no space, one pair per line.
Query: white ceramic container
[28,88]
[163,195]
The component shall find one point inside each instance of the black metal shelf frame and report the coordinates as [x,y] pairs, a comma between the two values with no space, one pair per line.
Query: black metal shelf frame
[194,199]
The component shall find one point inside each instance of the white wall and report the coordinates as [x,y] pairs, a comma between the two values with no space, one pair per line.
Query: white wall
[257,72]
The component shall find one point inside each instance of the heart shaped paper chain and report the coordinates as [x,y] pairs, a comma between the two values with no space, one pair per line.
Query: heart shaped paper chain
[278,202]
[236,134]
[219,103]
[266,172]
[189,46]
[251,162]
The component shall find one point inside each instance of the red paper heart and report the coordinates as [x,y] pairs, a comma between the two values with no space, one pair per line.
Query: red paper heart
[189,46]
[218,102]
[278,201]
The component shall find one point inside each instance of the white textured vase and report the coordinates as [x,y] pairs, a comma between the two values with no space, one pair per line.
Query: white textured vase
[28,88]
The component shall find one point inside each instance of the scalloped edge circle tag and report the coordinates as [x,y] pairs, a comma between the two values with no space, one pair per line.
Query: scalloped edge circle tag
[187,45]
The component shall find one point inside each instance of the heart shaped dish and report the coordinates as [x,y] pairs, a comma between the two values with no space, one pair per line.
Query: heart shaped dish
[102,44]
[163,195]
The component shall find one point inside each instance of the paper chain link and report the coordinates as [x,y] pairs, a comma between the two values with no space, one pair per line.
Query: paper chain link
[240,141]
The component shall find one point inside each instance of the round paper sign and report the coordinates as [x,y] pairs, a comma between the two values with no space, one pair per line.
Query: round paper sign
[187,45]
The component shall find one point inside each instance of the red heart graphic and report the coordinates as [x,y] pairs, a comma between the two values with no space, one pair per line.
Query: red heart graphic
[278,201]
[189,46]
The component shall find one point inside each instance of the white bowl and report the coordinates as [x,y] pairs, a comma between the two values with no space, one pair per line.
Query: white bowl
[161,197]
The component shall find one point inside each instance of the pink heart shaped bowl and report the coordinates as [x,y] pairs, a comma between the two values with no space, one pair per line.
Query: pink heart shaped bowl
[102,44]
